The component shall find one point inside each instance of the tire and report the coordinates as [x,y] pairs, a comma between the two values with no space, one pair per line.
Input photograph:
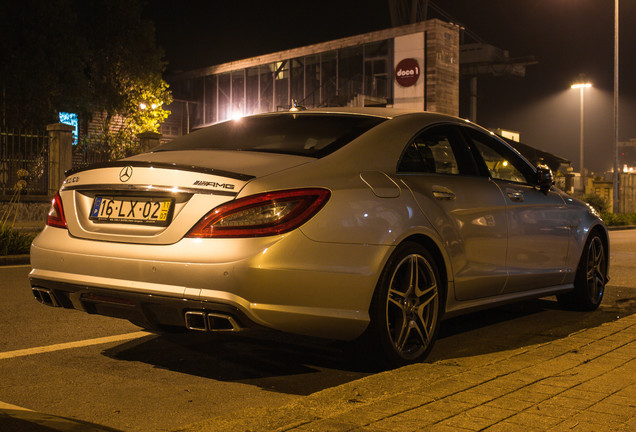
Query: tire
[590,278]
[406,307]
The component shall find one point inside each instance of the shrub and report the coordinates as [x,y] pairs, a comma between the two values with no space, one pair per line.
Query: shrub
[14,242]
[618,219]
[600,204]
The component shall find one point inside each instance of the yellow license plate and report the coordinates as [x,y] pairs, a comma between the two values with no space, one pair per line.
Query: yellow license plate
[145,211]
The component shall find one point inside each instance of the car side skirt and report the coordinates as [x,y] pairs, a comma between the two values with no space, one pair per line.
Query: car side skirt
[455,307]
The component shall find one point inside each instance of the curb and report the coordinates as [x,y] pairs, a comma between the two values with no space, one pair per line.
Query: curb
[9,260]
[621,227]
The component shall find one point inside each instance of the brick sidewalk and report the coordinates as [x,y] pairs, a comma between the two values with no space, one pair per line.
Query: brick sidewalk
[584,382]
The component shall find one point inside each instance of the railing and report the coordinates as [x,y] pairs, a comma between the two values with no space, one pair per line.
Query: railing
[341,92]
[89,151]
[23,162]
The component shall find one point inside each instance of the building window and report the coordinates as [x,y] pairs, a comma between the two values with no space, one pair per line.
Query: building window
[267,87]
[329,74]
[224,96]
[210,99]
[238,94]
[281,85]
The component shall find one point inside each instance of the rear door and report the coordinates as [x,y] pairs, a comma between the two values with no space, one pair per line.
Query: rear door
[467,210]
[538,226]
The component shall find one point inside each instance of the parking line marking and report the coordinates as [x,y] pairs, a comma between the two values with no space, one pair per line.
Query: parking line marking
[6,406]
[69,345]
[49,422]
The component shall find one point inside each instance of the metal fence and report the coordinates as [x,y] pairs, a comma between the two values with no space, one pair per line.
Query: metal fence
[89,151]
[23,162]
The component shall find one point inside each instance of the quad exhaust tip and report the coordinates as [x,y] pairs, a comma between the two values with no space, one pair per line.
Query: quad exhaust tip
[45,296]
[210,321]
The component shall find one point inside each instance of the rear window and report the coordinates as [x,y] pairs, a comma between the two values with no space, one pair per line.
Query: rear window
[314,135]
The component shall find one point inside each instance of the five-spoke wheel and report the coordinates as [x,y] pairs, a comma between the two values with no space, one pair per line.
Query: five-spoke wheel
[407,305]
[590,279]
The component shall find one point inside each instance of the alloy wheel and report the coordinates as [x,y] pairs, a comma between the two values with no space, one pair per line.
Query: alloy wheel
[412,306]
[595,270]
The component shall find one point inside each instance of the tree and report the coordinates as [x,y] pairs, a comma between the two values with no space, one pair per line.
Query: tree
[42,62]
[140,110]
[98,58]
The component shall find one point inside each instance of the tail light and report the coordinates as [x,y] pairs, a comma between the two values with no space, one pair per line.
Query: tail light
[56,213]
[260,215]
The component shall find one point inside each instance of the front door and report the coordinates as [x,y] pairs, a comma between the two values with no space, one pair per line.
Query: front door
[467,210]
[538,227]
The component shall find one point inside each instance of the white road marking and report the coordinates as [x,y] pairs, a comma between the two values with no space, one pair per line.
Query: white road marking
[69,345]
[47,421]
[6,406]
[15,266]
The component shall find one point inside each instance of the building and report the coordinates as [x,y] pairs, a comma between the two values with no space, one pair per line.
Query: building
[627,156]
[415,66]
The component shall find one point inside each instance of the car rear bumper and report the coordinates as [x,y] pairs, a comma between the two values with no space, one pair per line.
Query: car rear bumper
[146,310]
[260,285]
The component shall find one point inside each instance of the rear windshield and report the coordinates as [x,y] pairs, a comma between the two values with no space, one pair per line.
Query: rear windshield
[308,134]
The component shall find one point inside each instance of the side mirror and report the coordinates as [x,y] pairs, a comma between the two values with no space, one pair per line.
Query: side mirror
[544,178]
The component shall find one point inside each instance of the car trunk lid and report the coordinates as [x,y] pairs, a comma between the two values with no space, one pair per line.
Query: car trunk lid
[156,198]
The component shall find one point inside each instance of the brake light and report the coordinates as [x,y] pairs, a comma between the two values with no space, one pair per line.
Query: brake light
[56,213]
[261,215]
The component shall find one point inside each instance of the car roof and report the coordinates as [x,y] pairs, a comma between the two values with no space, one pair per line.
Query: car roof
[387,113]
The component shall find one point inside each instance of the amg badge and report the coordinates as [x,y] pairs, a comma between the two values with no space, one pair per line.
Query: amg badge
[214,184]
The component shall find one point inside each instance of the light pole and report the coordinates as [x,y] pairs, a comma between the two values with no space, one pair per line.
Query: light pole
[581,87]
[616,198]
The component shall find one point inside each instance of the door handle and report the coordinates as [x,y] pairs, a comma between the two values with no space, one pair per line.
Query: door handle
[515,195]
[443,194]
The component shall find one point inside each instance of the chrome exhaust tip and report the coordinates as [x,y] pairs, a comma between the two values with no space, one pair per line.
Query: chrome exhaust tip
[195,320]
[222,323]
[45,296]
[210,321]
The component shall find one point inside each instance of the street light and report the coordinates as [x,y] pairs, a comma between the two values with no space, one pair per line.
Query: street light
[581,87]
[616,198]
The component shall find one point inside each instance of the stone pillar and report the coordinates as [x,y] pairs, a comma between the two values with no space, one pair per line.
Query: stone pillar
[60,154]
[569,180]
[149,140]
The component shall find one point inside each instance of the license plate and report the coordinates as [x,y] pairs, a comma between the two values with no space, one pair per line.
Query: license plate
[145,211]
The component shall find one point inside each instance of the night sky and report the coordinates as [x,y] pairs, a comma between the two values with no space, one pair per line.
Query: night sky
[567,38]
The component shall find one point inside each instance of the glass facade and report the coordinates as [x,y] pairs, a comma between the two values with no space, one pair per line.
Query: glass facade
[355,71]
[330,78]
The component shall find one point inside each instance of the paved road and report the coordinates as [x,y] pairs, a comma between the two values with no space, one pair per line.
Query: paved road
[143,382]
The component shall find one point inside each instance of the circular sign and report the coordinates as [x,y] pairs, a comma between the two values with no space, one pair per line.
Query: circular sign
[407,72]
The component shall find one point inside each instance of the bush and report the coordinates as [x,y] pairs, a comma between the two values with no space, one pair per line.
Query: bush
[600,204]
[618,219]
[14,242]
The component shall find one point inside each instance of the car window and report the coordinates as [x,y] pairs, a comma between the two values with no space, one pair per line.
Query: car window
[438,150]
[307,134]
[501,162]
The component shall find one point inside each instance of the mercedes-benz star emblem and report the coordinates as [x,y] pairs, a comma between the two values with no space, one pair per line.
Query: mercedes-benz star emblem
[126,173]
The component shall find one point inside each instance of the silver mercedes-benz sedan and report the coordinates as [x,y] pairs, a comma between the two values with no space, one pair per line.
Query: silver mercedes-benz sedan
[336,223]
